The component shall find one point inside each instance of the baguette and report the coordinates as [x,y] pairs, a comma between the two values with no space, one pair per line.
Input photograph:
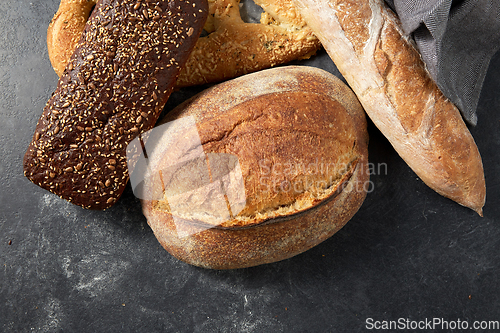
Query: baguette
[114,87]
[365,41]
[298,137]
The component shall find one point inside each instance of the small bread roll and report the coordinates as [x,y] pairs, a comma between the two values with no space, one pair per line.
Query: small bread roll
[262,168]
[114,87]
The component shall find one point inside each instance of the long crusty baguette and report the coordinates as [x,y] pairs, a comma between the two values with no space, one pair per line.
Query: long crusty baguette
[296,171]
[365,41]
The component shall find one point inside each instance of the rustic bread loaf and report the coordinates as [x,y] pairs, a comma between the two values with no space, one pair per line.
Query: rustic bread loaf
[114,87]
[386,72]
[231,48]
[65,30]
[234,48]
[294,142]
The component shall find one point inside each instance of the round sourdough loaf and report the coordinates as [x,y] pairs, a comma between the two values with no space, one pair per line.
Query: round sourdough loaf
[283,166]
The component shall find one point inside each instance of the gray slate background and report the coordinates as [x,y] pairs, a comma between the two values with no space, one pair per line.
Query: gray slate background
[408,253]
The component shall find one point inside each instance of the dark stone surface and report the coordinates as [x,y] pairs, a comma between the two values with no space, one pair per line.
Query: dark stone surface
[408,253]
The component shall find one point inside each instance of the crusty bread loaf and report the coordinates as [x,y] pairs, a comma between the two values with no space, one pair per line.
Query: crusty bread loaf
[365,41]
[231,48]
[298,141]
[114,87]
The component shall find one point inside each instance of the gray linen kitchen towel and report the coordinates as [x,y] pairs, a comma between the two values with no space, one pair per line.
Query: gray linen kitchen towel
[457,39]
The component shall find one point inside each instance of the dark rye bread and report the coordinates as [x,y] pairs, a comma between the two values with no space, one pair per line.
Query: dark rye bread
[386,72]
[114,87]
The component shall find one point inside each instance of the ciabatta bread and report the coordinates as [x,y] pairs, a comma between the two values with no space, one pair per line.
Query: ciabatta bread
[383,68]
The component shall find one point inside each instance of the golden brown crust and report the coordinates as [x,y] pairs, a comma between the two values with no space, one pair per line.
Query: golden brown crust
[217,248]
[381,65]
[65,29]
[108,94]
[232,48]
[300,138]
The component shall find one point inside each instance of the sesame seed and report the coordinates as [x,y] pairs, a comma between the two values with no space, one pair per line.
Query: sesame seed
[121,46]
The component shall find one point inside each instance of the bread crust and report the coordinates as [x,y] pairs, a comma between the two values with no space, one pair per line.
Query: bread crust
[231,49]
[114,87]
[65,30]
[385,71]
[294,115]
[234,48]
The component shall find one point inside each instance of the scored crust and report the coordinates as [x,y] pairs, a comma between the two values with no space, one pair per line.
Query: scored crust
[300,118]
[231,48]
[386,72]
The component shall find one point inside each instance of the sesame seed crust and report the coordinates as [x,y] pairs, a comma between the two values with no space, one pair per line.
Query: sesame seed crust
[114,87]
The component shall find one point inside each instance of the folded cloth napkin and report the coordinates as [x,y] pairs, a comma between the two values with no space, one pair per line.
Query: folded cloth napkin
[457,39]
